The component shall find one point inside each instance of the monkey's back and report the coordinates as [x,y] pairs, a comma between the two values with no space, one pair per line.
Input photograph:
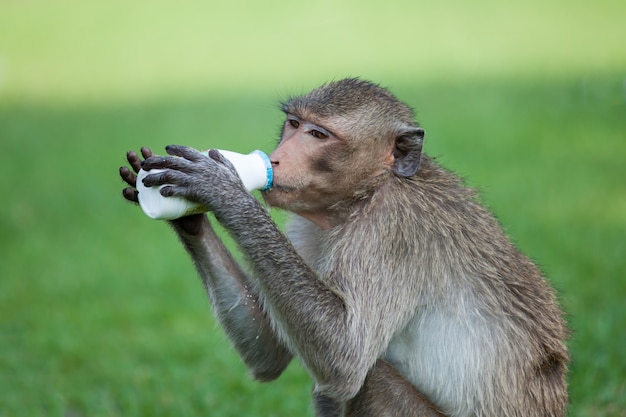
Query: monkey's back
[478,329]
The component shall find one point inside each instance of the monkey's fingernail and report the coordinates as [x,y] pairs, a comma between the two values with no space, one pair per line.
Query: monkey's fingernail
[214,154]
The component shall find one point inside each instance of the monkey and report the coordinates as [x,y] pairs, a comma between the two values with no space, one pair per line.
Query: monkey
[393,285]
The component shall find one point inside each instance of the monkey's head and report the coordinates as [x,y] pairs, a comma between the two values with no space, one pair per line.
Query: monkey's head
[336,140]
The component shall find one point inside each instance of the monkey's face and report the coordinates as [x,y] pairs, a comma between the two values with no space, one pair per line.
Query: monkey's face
[317,165]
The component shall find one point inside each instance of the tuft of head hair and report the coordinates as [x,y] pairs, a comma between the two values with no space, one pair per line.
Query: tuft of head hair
[349,96]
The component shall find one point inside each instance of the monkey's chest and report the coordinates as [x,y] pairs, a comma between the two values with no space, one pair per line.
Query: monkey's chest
[442,354]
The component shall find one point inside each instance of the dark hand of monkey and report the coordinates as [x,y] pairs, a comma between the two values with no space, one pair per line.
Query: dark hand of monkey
[212,181]
[191,225]
[130,177]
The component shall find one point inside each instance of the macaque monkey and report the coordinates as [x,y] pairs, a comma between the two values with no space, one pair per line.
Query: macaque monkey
[395,288]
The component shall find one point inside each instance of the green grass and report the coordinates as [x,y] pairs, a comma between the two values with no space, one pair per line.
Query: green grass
[100,311]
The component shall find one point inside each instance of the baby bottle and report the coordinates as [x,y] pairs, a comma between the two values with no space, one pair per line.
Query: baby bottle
[254,169]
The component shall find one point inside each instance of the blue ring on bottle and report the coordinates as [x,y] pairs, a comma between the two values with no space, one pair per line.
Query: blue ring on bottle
[268,168]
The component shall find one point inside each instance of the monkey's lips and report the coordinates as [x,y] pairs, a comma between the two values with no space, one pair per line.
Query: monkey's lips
[281,188]
[280,195]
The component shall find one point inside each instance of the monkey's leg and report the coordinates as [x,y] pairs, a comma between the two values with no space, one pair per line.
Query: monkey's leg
[386,393]
[326,406]
[235,302]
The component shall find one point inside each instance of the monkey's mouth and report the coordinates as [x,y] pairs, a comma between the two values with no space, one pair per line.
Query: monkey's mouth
[280,188]
[279,196]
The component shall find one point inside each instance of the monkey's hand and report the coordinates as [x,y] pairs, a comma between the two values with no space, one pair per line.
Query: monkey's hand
[130,177]
[212,182]
[191,225]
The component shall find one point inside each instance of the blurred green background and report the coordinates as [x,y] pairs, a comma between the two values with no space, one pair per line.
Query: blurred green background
[100,310]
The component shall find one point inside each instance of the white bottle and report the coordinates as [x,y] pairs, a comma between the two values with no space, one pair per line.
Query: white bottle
[254,169]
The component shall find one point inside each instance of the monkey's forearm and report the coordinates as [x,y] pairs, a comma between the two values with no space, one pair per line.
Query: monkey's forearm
[312,317]
[235,302]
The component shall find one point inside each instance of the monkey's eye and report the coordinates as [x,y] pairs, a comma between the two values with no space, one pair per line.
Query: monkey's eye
[318,134]
[294,123]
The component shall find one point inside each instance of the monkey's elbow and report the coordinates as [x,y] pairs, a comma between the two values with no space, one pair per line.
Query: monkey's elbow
[266,374]
[268,370]
[342,388]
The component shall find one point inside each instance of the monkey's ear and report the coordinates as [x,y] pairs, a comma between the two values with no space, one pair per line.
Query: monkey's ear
[407,152]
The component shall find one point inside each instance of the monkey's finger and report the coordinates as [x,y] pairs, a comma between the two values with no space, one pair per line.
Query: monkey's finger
[166,162]
[184,152]
[216,155]
[146,152]
[128,176]
[171,190]
[134,160]
[176,191]
[130,194]
[169,176]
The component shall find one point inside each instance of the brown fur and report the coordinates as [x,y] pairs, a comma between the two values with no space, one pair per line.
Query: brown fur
[396,289]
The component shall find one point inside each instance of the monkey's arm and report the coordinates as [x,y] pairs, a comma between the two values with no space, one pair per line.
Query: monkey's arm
[234,299]
[235,302]
[337,330]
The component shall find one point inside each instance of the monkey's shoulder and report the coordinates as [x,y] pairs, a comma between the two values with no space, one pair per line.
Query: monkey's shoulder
[435,180]
[434,193]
